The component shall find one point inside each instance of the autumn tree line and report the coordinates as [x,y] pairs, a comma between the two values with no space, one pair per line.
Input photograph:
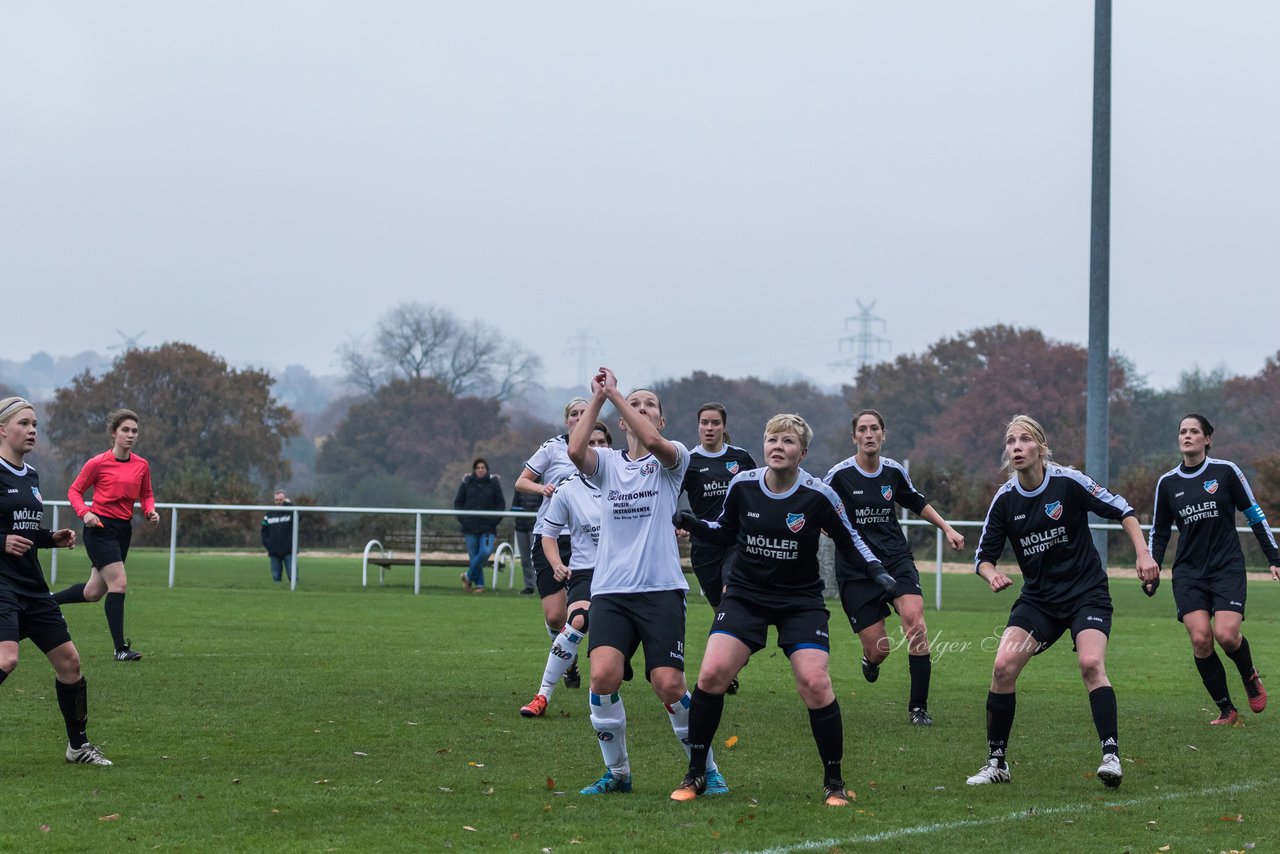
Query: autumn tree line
[427,392]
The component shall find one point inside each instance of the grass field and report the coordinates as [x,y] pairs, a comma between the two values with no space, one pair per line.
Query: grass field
[345,719]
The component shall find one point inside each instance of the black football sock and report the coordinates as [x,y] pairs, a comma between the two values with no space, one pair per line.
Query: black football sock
[1243,658]
[73,701]
[114,609]
[920,668]
[1214,677]
[71,596]
[1102,701]
[828,734]
[705,711]
[1000,709]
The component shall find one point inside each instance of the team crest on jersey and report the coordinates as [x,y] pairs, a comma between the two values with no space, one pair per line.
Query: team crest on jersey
[35,490]
[1054,510]
[649,467]
[795,521]
[887,492]
[732,466]
[1211,486]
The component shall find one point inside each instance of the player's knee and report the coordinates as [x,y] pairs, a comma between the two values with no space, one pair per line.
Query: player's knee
[1202,644]
[668,683]
[8,660]
[578,618]
[1228,639]
[1005,671]
[1092,666]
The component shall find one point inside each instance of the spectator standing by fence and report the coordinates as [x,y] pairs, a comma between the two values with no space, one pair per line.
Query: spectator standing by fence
[478,491]
[277,538]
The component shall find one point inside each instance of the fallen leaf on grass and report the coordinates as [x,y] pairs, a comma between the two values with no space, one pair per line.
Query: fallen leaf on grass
[235,782]
[411,723]
[321,782]
[468,827]
[360,753]
[275,812]
[1153,825]
[1193,747]
[444,788]
[115,816]
[44,828]
[1238,818]
[551,784]
[476,764]
[730,741]
[488,791]
[1163,848]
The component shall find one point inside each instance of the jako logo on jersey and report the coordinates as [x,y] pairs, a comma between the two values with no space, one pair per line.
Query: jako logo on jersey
[795,521]
[732,467]
[887,492]
[649,467]
[1211,486]
[1054,510]
[35,490]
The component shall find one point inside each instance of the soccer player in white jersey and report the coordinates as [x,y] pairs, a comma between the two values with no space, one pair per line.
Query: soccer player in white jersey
[638,590]
[574,508]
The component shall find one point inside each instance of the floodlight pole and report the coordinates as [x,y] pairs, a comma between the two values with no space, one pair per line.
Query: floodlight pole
[1097,419]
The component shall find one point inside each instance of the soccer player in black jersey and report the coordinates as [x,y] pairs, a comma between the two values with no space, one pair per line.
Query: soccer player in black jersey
[1043,511]
[711,466]
[542,473]
[26,609]
[870,486]
[1202,496]
[775,515]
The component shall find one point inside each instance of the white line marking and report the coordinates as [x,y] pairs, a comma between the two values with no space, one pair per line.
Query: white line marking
[1033,812]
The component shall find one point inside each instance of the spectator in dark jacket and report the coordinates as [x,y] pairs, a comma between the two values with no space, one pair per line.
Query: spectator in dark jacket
[528,502]
[478,491]
[277,538]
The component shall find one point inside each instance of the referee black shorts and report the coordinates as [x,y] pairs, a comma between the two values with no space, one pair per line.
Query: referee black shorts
[109,543]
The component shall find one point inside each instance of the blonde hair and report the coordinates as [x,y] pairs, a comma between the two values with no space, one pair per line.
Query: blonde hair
[568,407]
[786,422]
[1033,427]
[11,406]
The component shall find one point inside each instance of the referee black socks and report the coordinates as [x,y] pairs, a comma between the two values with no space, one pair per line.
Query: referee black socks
[113,606]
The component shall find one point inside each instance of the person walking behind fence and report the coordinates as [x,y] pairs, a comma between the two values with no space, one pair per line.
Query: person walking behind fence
[277,538]
[118,478]
[478,491]
[26,610]
[1202,496]
[527,502]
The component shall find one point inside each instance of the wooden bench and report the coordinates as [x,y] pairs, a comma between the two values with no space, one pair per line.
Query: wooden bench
[396,548]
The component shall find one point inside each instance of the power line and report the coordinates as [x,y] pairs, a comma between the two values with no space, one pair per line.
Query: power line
[866,344]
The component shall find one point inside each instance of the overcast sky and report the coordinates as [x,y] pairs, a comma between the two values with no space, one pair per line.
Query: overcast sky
[706,185]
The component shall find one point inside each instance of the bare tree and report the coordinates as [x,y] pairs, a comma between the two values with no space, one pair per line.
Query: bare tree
[416,341]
